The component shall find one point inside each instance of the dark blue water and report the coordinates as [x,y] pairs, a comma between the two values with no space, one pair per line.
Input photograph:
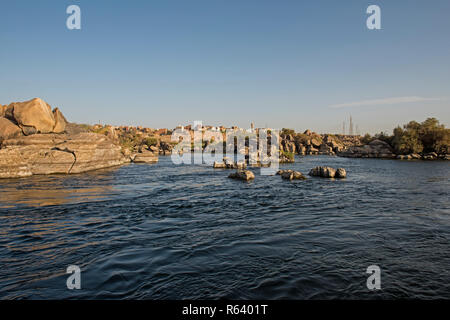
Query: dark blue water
[170,232]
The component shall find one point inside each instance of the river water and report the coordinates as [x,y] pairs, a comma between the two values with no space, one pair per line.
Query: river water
[168,231]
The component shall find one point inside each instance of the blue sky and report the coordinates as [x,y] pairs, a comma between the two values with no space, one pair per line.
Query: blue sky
[296,64]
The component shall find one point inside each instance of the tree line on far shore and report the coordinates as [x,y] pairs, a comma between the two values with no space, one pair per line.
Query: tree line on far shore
[414,137]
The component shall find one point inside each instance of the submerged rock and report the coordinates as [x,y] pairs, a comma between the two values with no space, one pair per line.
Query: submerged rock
[245,175]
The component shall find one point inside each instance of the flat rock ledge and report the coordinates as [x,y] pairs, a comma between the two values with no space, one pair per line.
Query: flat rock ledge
[145,157]
[40,154]
[328,172]
[245,175]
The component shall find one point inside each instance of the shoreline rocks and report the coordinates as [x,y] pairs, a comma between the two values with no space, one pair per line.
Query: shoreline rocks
[375,149]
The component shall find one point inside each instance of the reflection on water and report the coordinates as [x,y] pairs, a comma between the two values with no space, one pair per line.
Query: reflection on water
[50,190]
[175,232]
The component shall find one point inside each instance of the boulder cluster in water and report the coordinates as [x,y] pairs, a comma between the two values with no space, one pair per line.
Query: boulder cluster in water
[291,175]
[227,163]
[324,172]
[328,172]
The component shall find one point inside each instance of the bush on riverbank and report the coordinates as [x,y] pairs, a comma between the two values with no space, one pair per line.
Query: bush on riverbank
[288,155]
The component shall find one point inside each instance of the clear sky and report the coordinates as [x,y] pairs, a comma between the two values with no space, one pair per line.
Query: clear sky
[295,64]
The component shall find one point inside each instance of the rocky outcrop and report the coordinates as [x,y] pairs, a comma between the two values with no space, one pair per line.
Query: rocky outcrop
[375,149]
[34,141]
[35,116]
[57,153]
[244,175]
[311,143]
[288,145]
[291,175]
[328,172]
[34,113]
[8,129]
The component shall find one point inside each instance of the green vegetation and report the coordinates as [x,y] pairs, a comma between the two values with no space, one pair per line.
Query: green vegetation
[289,155]
[150,141]
[286,132]
[414,137]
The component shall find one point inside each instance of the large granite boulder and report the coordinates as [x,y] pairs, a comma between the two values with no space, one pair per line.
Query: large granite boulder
[2,110]
[57,153]
[8,129]
[34,113]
